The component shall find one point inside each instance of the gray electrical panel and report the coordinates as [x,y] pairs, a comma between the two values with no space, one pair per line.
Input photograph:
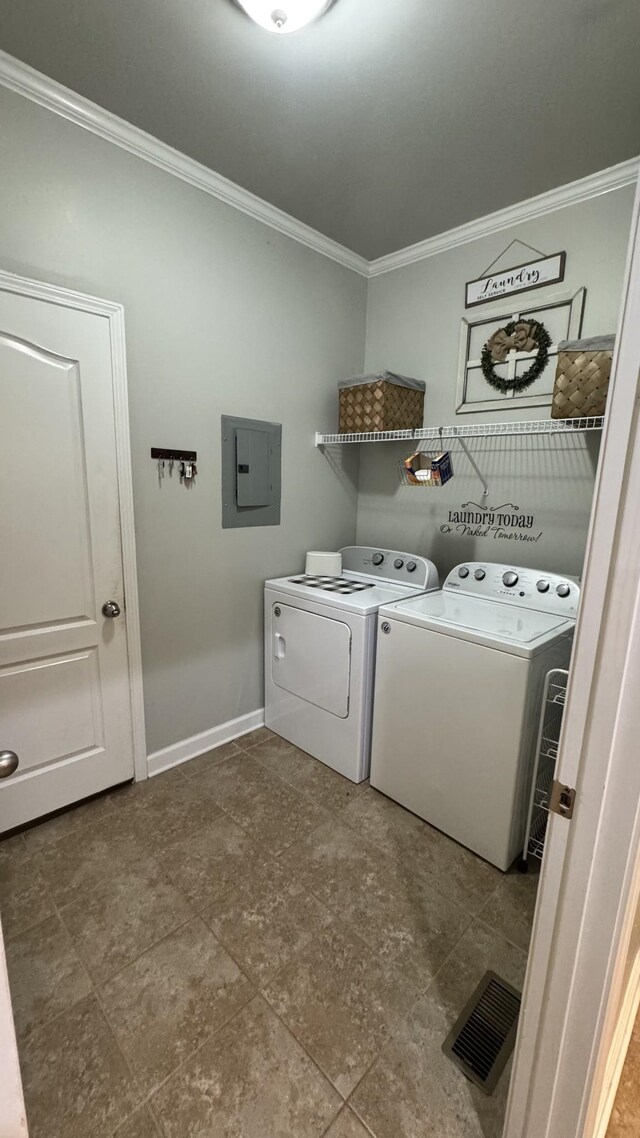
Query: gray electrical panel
[251,462]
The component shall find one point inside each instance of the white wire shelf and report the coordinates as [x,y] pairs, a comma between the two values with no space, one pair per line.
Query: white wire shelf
[469,431]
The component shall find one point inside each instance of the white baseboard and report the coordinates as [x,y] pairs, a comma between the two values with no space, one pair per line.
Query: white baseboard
[619,1048]
[196,745]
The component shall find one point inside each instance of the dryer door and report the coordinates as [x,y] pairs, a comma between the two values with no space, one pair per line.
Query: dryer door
[311,657]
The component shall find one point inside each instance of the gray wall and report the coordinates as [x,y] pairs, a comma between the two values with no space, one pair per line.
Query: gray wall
[223,315]
[413,326]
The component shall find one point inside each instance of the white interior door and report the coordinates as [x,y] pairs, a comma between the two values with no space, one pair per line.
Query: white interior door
[64,685]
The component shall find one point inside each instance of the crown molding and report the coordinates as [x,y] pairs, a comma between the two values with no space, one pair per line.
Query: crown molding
[33,85]
[602,182]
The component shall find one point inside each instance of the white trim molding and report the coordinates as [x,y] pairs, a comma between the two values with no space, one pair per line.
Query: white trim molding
[602,182]
[172,756]
[114,313]
[590,878]
[619,1048]
[33,85]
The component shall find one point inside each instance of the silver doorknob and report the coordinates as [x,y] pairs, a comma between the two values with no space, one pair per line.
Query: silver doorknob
[8,763]
[111,608]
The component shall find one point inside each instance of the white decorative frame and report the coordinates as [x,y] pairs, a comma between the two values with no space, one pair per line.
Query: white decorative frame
[574,301]
[114,313]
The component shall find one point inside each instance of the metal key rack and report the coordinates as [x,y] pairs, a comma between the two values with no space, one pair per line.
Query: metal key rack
[552,711]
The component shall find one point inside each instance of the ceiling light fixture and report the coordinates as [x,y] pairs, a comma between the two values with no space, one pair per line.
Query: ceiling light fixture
[285,16]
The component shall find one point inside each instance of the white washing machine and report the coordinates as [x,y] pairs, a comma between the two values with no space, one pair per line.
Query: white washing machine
[459,681]
[320,639]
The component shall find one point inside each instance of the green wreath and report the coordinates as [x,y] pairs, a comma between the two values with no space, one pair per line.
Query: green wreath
[523,335]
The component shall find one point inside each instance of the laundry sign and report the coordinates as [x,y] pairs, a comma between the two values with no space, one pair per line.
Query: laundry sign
[505,522]
[521,278]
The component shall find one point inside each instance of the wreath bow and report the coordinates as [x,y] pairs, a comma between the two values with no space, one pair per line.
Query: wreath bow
[519,336]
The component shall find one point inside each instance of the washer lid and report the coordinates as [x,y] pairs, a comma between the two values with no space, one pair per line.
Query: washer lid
[518,630]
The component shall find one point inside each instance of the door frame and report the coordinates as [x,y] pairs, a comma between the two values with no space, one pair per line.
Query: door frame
[114,314]
[590,881]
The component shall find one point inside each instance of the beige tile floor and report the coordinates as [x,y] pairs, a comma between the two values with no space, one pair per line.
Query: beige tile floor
[251,946]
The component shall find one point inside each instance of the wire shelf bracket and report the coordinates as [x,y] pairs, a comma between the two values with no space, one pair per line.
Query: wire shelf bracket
[485,487]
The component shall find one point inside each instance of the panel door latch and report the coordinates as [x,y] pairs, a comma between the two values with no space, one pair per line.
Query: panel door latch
[562,799]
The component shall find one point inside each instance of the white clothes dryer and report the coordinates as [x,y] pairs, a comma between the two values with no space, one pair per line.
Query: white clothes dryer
[459,680]
[320,639]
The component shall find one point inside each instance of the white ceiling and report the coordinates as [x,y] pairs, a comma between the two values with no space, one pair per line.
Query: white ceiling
[382,124]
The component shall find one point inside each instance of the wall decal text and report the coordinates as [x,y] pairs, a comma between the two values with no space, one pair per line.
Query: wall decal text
[505,522]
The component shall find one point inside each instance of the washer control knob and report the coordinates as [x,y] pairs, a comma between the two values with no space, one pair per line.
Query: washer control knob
[563,590]
[385,626]
[411,566]
[542,586]
[398,563]
[463,571]
[378,558]
[479,574]
[510,579]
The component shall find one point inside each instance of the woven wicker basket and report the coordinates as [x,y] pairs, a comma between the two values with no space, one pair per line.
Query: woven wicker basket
[381,405]
[582,378]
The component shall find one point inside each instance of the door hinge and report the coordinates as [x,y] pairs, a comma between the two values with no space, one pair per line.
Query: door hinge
[562,799]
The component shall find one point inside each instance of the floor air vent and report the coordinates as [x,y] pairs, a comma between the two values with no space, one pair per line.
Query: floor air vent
[483,1036]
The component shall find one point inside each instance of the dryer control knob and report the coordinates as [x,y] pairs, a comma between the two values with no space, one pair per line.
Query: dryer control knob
[463,571]
[479,574]
[411,566]
[378,558]
[398,563]
[542,586]
[510,579]
[563,590]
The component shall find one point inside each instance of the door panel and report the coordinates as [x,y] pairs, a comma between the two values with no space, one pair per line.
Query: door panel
[64,681]
[311,658]
[42,465]
[64,689]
